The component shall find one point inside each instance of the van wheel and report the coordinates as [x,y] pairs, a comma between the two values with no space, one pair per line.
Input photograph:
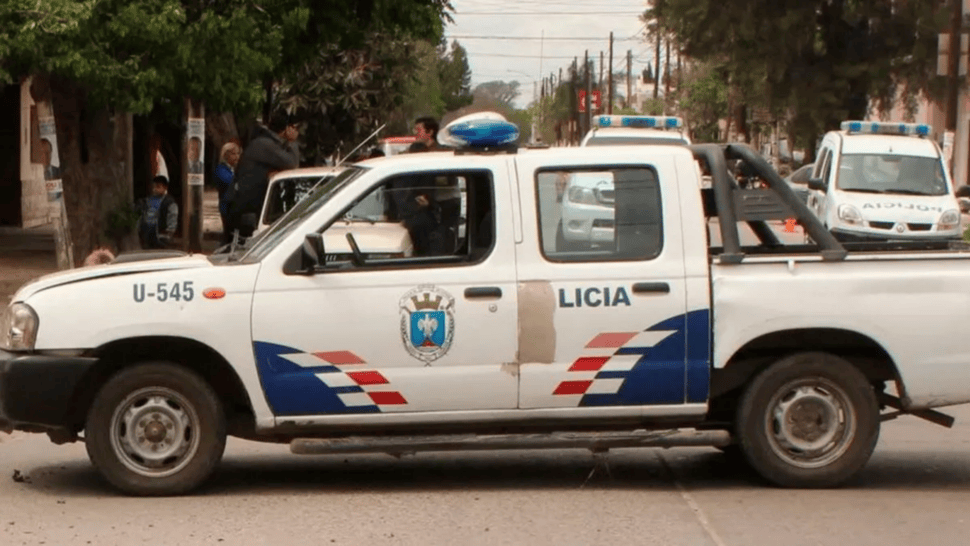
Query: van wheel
[809,420]
[156,429]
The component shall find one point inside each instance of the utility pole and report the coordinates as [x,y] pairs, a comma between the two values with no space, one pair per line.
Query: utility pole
[599,82]
[573,100]
[961,140]
[629,77]
[656,67]
[609,104]
[667,74]
[588,85]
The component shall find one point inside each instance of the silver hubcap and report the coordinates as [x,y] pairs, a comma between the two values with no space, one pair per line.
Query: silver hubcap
[810,422]
[155,432]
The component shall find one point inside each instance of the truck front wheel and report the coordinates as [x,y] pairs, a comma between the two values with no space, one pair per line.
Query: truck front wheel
[809,420]
[156,429]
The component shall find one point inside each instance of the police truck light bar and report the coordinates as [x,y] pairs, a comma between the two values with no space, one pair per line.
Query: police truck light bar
[885,128]
[481,130]
[650,122]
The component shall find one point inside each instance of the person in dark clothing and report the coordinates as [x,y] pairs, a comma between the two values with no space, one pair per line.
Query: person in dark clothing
[446,195]
[272,149]
[412,202]
[159,216]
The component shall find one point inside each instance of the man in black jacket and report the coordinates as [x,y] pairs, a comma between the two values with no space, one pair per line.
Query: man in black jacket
[272,149]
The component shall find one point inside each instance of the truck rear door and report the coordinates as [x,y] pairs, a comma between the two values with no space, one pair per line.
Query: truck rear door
[603,323]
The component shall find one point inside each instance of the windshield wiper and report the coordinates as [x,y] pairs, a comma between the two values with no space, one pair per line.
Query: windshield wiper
[863,190]
[907,192]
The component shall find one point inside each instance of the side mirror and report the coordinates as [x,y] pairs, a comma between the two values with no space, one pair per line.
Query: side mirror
[312,253]
[816,184]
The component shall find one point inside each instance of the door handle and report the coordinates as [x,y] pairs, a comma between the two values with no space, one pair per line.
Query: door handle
[483,292]
[651,287]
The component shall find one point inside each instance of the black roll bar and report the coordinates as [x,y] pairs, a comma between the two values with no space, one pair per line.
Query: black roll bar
[727,194]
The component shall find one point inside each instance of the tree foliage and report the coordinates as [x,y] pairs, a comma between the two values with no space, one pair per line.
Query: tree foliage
[500,92]
[133,55]
[821,60]
[703,101]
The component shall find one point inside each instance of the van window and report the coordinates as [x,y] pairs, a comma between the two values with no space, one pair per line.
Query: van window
[609,214]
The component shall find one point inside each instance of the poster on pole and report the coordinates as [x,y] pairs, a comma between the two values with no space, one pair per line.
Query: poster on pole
[196,161]
[50,158]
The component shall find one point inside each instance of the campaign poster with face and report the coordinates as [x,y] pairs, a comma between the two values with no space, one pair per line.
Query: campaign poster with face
[50,158]
[195,151]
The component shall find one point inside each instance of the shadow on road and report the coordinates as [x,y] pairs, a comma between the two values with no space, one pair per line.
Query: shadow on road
[698,470]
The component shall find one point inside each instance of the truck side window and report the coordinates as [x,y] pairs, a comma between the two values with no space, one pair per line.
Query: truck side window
[826,173]
[599,215]
[430,217]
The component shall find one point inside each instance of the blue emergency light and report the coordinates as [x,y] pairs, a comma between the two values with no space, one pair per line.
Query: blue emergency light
[648,122]
[477,133]
[885,128]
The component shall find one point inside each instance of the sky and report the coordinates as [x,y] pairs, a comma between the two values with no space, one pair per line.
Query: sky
[504,38]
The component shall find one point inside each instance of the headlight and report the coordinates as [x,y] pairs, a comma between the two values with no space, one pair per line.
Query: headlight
[583,196]
[948,221]
[18,328]
[850,215]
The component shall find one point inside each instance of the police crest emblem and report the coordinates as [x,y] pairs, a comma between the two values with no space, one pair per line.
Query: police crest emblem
[427,322]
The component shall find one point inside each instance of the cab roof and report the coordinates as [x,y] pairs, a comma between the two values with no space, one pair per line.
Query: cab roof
[887,144]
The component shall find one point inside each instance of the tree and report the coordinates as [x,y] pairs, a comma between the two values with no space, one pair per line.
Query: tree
[703,101]
[822,60]
[109,59]
[499,92]
[455,77]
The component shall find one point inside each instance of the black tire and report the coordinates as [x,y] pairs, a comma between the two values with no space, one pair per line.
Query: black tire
[177,414]
[832,415]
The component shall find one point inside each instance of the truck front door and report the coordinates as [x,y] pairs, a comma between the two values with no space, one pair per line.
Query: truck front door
[398,332]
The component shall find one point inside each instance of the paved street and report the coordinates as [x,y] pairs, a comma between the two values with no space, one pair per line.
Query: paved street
[915,490]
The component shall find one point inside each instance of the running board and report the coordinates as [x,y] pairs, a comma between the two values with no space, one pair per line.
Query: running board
[594,441]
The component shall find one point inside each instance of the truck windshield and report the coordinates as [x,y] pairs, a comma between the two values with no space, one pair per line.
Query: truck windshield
[891,173]
[611,141]
[262,244]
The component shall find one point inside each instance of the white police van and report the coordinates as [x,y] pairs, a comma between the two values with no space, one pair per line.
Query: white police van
[883,181]
[505,341]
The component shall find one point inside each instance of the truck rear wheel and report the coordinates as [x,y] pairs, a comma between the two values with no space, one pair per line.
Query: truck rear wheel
[156,429]
[809,420]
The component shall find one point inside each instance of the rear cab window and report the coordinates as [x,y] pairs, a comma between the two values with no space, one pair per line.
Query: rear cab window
[595,214]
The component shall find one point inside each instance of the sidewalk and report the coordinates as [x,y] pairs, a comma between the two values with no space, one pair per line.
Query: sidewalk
[26,254]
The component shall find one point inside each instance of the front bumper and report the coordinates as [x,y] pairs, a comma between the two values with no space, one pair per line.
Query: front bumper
[848,236]
[36,391]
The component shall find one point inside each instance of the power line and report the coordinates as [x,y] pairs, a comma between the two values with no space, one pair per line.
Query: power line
[460,13]
[537,38]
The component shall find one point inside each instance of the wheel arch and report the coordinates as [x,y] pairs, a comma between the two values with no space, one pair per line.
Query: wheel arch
[192,354]
[867,355]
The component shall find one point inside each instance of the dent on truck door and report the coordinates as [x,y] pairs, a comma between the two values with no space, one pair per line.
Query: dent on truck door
[622,333]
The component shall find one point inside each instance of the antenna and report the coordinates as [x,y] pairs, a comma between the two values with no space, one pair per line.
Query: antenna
[372,135]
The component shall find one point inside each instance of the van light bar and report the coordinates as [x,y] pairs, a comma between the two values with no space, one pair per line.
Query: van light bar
[651,122]
[885,128]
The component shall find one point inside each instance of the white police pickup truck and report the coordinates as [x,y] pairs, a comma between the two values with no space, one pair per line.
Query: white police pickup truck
[883,181]
[506,341]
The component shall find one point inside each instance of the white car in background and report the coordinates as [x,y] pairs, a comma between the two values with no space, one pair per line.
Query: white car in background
[637,130]
[379,239]
[587,198]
